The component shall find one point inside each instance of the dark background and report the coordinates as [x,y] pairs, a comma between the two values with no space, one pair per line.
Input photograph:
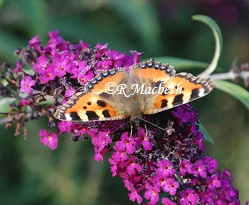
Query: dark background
[30,173]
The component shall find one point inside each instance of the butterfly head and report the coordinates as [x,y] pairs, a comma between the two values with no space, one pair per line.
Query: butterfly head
[135,119]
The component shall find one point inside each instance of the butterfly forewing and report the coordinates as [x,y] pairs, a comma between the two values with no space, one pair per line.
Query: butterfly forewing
[180,89]
[96,102]
[152,71]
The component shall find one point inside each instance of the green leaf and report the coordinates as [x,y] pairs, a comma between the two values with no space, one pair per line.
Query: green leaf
[4,105]
[236,91]
[180,63]
[218,42]
[142,17]
[207,136]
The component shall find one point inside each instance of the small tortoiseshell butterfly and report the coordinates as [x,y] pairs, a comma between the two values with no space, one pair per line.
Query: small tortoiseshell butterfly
[134,97]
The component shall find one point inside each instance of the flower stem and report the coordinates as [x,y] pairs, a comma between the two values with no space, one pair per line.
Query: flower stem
[224,76]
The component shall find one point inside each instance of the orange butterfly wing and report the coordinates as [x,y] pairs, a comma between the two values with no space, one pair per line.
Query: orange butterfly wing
[180,89]
[95,103]
[152,71]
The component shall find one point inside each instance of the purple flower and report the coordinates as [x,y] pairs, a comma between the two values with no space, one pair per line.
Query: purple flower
[49,139]
[171,186]
[65,126]
[208,196]
[83,78]
[129,143]
[84,45]
[35,44]
[116,58]
[213,182]
[151,193]
[41,64]
[23,102]
[185,167]
[70,91]
[188,197]
[165,168]
[136,55]
[55,39]
[105,64]
[47,74]
[144,140]
[19,66]
[78,68]
[211,164]
[134,196]
[101,141]
[182,114]
[133,167]
[62,65]
[26,85]
[199,169]
[101,49]
[120,154]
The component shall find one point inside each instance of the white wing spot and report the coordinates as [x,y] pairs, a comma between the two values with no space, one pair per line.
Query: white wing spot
[201,92]
[68,117]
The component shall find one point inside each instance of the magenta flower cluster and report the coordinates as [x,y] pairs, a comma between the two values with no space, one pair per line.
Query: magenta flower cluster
[157,166]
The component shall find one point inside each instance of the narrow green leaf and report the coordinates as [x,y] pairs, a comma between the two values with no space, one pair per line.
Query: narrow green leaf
[236,91]
[207,136]
[180,63]
[141,16]
[218,42]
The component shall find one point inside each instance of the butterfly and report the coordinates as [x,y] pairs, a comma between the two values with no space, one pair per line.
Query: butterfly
[144,88]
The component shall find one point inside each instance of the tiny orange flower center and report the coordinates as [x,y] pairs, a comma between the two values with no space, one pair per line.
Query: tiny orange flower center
[166,167]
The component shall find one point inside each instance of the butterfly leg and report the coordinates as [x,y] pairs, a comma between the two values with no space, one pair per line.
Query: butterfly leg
[131,126]
[146,130]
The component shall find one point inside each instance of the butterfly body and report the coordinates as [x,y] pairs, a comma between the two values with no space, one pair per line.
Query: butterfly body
[145,88]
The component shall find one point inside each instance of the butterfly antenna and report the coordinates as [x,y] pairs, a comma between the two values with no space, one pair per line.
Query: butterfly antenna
[152,124]
[119,127]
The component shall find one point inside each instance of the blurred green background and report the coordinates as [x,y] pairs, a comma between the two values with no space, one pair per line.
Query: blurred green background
[30,173]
